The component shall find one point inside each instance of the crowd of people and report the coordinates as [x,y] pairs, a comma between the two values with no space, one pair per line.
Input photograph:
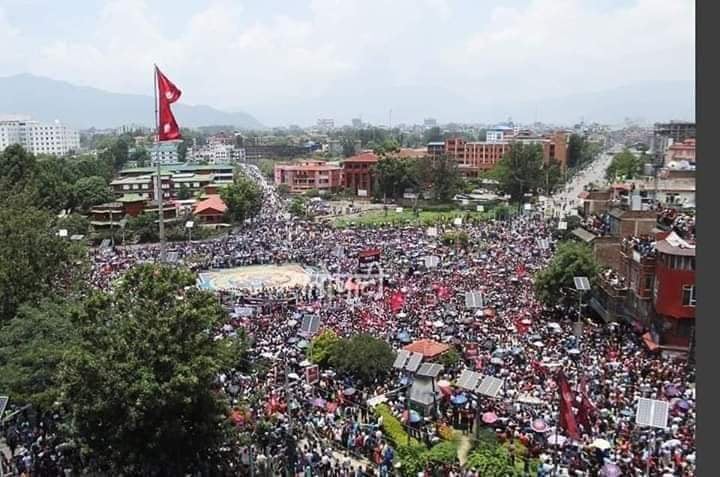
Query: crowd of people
[512,337]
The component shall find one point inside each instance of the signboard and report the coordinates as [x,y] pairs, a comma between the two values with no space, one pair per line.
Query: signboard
[312,374]
[457,221]
[465,202]
[62,233]
[369,261]
[189,224]
[362,193]
[432,232]
[480,208]
[562,225]
[652,413]
[398,210]
[410,195]
[528,206]
[578,329]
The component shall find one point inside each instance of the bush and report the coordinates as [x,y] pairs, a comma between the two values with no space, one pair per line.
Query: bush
[442,453]
[394,430]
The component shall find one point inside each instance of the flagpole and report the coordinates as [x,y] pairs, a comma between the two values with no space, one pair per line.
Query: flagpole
[158,180]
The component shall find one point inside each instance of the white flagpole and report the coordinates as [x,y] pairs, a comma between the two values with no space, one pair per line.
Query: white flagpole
[158,181]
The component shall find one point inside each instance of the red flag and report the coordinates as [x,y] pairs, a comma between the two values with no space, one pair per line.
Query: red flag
[586,410]
[521,327]
[397,300]
[567,418]
[168,93]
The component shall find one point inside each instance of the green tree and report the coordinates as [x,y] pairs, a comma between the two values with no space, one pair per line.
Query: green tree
[624,165]
[364,357]
[298,207]
[18,171]
[34,261]
[450,358]
[140,156]
[283,189]
[243,199]
[433,134]
[394,176]
[138,382]
[572,259]
[520,170]
[323,346]
[184,193]
[90,191]
[32,346]
[552,176]
[75,224]
[576,145]
[348,147]
[144,227]
[447,180]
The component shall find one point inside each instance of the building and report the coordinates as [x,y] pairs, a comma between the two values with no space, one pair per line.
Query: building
[39,138]
[429,123]
[326,124]
[498,133]
[256,152]
[304,176]
[211,210]
[216,153]
[666,134]
[681,152]
[165,152]
[358,172]
[194,180]
[357,123]
[478,156]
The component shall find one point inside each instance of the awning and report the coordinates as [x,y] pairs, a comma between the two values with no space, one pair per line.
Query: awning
[583,234]
[647,338]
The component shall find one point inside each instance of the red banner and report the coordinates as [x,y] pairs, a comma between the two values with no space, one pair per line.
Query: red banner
[168,93]
[567,418]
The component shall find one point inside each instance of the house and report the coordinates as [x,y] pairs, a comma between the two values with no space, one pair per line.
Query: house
[430,349]
[307,175]
[358,172]
[211,210]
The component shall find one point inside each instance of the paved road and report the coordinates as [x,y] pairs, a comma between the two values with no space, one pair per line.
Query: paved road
[593,172]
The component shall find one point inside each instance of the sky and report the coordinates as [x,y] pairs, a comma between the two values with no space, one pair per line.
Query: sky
[290,61]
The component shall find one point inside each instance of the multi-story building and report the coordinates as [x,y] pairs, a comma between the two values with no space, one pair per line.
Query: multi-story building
[165,152]
[326,124]
[357,123]
[666,134]
[358,172]
[309,175]
[478,156]
[430,122]
[216,153]
[174,178]
[39,138]
[681,151]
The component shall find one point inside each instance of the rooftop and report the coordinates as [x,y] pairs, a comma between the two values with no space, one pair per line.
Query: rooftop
[428,348]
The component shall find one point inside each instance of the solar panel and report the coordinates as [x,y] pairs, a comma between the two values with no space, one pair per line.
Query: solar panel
[310,324]
[490,386]
[401,359]
[652,413]
[468,380]
[432,261]
[581,283]
[430,370]
[414,362]
[473,300]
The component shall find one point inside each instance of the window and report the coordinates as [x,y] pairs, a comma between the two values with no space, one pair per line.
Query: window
[688,295]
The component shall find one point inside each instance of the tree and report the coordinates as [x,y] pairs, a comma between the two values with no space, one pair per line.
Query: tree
[364,357]
[144,227]
[520,170]
[91,191]
[32,346]
[572,259]
[576,144]
[394,176]
[450,358]
[75,224]
[184,193]
[348,147]
[323,346]
[138,382]
[34,261]
[18,170]
[283,189]
[432,135]
[298,207]
[625,166]
[447,180]
[243,199]
[552,175]
[182,150]
[140,156]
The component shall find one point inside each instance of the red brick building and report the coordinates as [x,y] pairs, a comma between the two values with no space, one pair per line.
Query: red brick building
[358,172]
[479,156]
[309,175]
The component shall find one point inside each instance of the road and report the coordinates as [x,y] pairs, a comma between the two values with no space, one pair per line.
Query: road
[567,199]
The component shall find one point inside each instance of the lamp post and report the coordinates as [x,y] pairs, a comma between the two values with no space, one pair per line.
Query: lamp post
[189,226]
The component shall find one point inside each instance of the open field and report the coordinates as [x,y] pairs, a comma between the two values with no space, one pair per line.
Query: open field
[408,217]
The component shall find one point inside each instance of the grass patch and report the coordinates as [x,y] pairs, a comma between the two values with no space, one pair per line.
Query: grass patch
[393,428]
[377,218]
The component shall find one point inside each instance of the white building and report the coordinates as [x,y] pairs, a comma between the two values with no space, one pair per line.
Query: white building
[498,134]
[326,124]
[39,138]
[216,153]
[165,153]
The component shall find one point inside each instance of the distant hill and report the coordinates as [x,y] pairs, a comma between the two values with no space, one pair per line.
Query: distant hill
[45,99]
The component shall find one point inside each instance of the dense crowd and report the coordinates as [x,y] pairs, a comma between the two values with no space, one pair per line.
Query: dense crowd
[513,337]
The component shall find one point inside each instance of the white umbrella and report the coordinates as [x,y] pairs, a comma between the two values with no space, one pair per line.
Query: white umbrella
[538,344]
[293,376]
[438,324]
[601,444]
[557,439]
[671,444]
[305,363]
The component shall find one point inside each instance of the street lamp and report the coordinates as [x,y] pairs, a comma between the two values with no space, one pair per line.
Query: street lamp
[189,226]
[123,224]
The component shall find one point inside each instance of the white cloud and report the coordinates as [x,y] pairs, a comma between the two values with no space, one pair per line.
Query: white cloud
[222,56]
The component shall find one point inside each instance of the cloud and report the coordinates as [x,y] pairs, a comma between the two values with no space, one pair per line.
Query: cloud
[223,55]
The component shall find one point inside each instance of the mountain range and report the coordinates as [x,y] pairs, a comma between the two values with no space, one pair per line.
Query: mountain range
[83,107]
